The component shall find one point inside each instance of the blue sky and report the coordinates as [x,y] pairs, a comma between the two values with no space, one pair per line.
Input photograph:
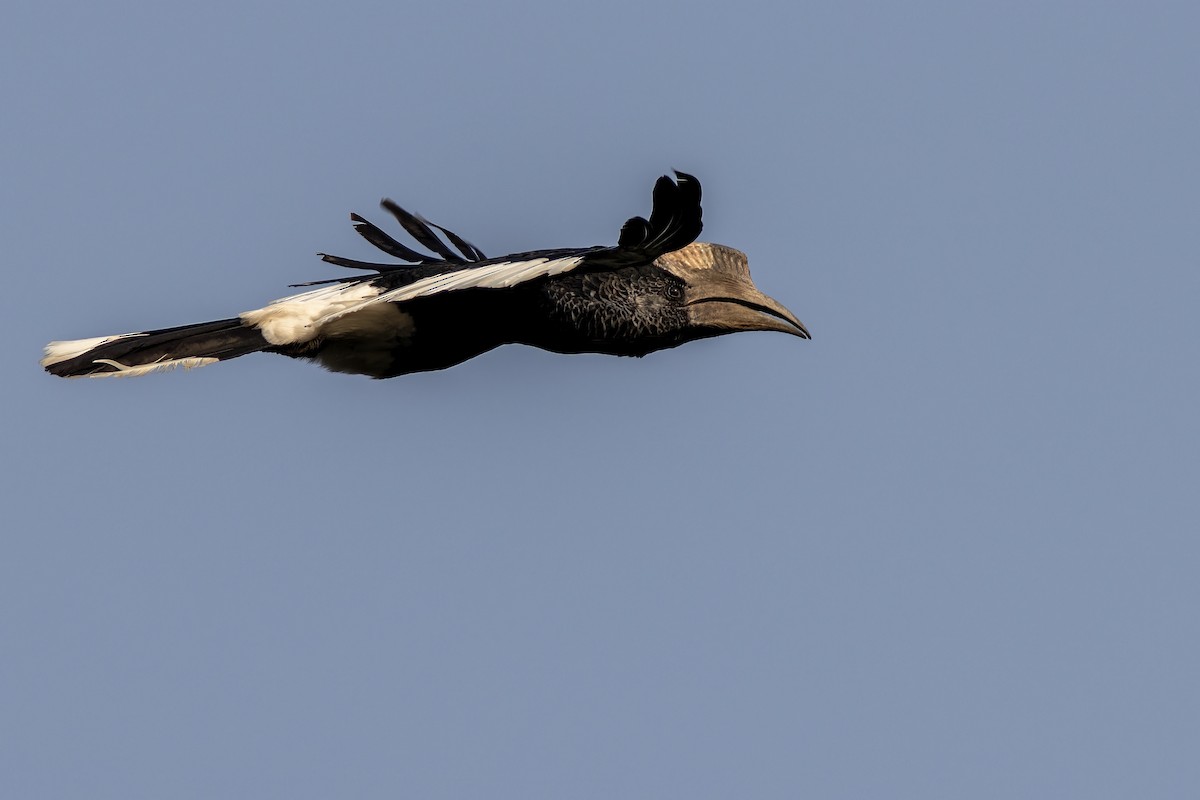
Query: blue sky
[948,548]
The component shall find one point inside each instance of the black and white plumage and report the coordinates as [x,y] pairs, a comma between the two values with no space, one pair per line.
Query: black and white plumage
[657,288]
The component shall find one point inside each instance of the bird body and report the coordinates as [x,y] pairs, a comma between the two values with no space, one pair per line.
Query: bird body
[657,288]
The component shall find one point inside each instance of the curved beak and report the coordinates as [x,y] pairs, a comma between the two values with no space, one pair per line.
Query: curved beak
[729,306]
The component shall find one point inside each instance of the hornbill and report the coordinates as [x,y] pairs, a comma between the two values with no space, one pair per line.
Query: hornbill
[657,288]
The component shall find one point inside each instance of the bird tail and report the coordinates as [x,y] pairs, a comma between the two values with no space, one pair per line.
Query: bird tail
[130,354]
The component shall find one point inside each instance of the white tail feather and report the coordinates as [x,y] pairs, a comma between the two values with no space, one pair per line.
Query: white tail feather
[66,350]
[123,371]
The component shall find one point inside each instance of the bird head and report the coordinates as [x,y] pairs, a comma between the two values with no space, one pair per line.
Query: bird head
[719,295]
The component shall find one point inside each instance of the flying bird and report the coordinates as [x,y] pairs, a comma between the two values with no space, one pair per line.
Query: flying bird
[657,288]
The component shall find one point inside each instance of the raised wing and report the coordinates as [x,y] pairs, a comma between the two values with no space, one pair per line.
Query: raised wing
[420,229]
[675,222]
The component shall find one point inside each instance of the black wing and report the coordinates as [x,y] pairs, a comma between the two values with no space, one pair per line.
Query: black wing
[675,221]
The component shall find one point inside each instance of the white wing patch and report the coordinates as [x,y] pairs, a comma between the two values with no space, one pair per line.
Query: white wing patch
[302,317]
[294,320]
[490,276]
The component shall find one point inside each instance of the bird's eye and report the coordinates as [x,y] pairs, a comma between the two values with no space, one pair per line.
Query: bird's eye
[674,291]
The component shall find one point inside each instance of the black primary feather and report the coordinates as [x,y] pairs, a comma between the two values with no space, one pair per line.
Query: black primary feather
[469,250]
[664,213]
[681,201]
[384,242]
[634,232]
[417,229]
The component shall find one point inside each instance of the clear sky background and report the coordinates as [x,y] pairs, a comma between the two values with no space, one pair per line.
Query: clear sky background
[947,549]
